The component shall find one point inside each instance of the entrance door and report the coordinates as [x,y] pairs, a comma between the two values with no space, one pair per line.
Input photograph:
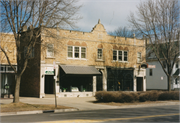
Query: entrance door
[49,82]
[139,83]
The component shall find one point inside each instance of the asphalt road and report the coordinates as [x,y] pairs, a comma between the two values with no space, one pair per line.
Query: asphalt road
[144,114]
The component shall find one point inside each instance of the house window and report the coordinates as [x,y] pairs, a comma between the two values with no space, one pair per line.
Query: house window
[31,50]
[176,81]
[83,52]
[99,54]
[10,69]
[150,72]
[177,65]
[2,69]
[120,55]
[164,64]
[50,50]
[139,57]
[125,56]
[70,51]
[114,55]
[76,52]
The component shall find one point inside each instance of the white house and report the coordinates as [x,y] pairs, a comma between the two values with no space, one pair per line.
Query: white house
[156,78]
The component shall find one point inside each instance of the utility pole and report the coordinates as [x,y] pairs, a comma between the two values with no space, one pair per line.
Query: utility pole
[54,64]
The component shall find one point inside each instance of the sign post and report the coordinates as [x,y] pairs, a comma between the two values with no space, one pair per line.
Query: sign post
[54,66]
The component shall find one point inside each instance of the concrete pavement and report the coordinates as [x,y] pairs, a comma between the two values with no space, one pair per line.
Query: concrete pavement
[80,103]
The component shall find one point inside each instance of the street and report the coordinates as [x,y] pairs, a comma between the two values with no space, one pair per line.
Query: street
[144,114]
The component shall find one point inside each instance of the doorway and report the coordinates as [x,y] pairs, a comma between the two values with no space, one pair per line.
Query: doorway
[49,84]
[139,83]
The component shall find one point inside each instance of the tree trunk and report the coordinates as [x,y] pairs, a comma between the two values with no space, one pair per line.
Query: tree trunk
[169,83]
[17,89]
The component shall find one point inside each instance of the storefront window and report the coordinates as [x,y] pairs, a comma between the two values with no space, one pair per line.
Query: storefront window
[119,80]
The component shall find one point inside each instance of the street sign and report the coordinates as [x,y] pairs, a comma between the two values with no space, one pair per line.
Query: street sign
[151,66]
[49,71]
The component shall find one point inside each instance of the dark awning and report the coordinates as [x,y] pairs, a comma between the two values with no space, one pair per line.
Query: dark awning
[177,72]
[80,70]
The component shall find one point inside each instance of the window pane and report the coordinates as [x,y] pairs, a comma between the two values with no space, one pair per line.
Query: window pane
[76,52]
[83,49]
[69,48]
[2,68]
[177,65]
[83,55]
[83,52]
[70,51]
[139,57]
[150,72]
[114,55]
[99,53]
[120,56]
[50,50]
[125,56]
[70,54]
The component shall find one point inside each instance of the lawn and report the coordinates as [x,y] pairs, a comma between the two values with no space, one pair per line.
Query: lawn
[14,107]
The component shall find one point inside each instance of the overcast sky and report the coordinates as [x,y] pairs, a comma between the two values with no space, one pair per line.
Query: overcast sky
[112,13]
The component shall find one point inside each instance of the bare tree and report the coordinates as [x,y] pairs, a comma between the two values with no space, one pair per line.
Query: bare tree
[17,14]
[158,20]
[125,32]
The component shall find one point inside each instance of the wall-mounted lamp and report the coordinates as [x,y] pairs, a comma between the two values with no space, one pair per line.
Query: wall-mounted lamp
[144,77]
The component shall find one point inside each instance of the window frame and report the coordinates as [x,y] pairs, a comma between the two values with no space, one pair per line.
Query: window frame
[10,71]
[150,72]
[80,52]
[4,69]
[139,59]
[101,55]
[70,52]
[177,65]
[123,55]
[47,54]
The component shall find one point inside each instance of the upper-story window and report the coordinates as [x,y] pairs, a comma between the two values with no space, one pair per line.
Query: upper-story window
[31,52]
[150,72]
[83,52]
[177,65]
[120,55]
[139,57]
[76,52]
[50,50]
[164,64]
[99,54]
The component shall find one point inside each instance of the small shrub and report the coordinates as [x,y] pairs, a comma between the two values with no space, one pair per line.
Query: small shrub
[122,97]
[169,96]
[149,96]
[104,96]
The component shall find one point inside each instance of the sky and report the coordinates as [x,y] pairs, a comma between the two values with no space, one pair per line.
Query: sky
[112,13]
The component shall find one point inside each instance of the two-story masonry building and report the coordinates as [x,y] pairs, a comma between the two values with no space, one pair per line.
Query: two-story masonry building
[85,62]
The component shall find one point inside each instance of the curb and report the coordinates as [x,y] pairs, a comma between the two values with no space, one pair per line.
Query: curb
[37,112]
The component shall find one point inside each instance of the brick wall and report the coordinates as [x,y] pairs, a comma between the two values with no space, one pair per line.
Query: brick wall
[30,81]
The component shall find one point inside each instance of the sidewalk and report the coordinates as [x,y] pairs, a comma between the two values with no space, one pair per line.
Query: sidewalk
[80,103]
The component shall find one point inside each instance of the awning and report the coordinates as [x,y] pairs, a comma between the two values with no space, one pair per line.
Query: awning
[80,70]
[177,72]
